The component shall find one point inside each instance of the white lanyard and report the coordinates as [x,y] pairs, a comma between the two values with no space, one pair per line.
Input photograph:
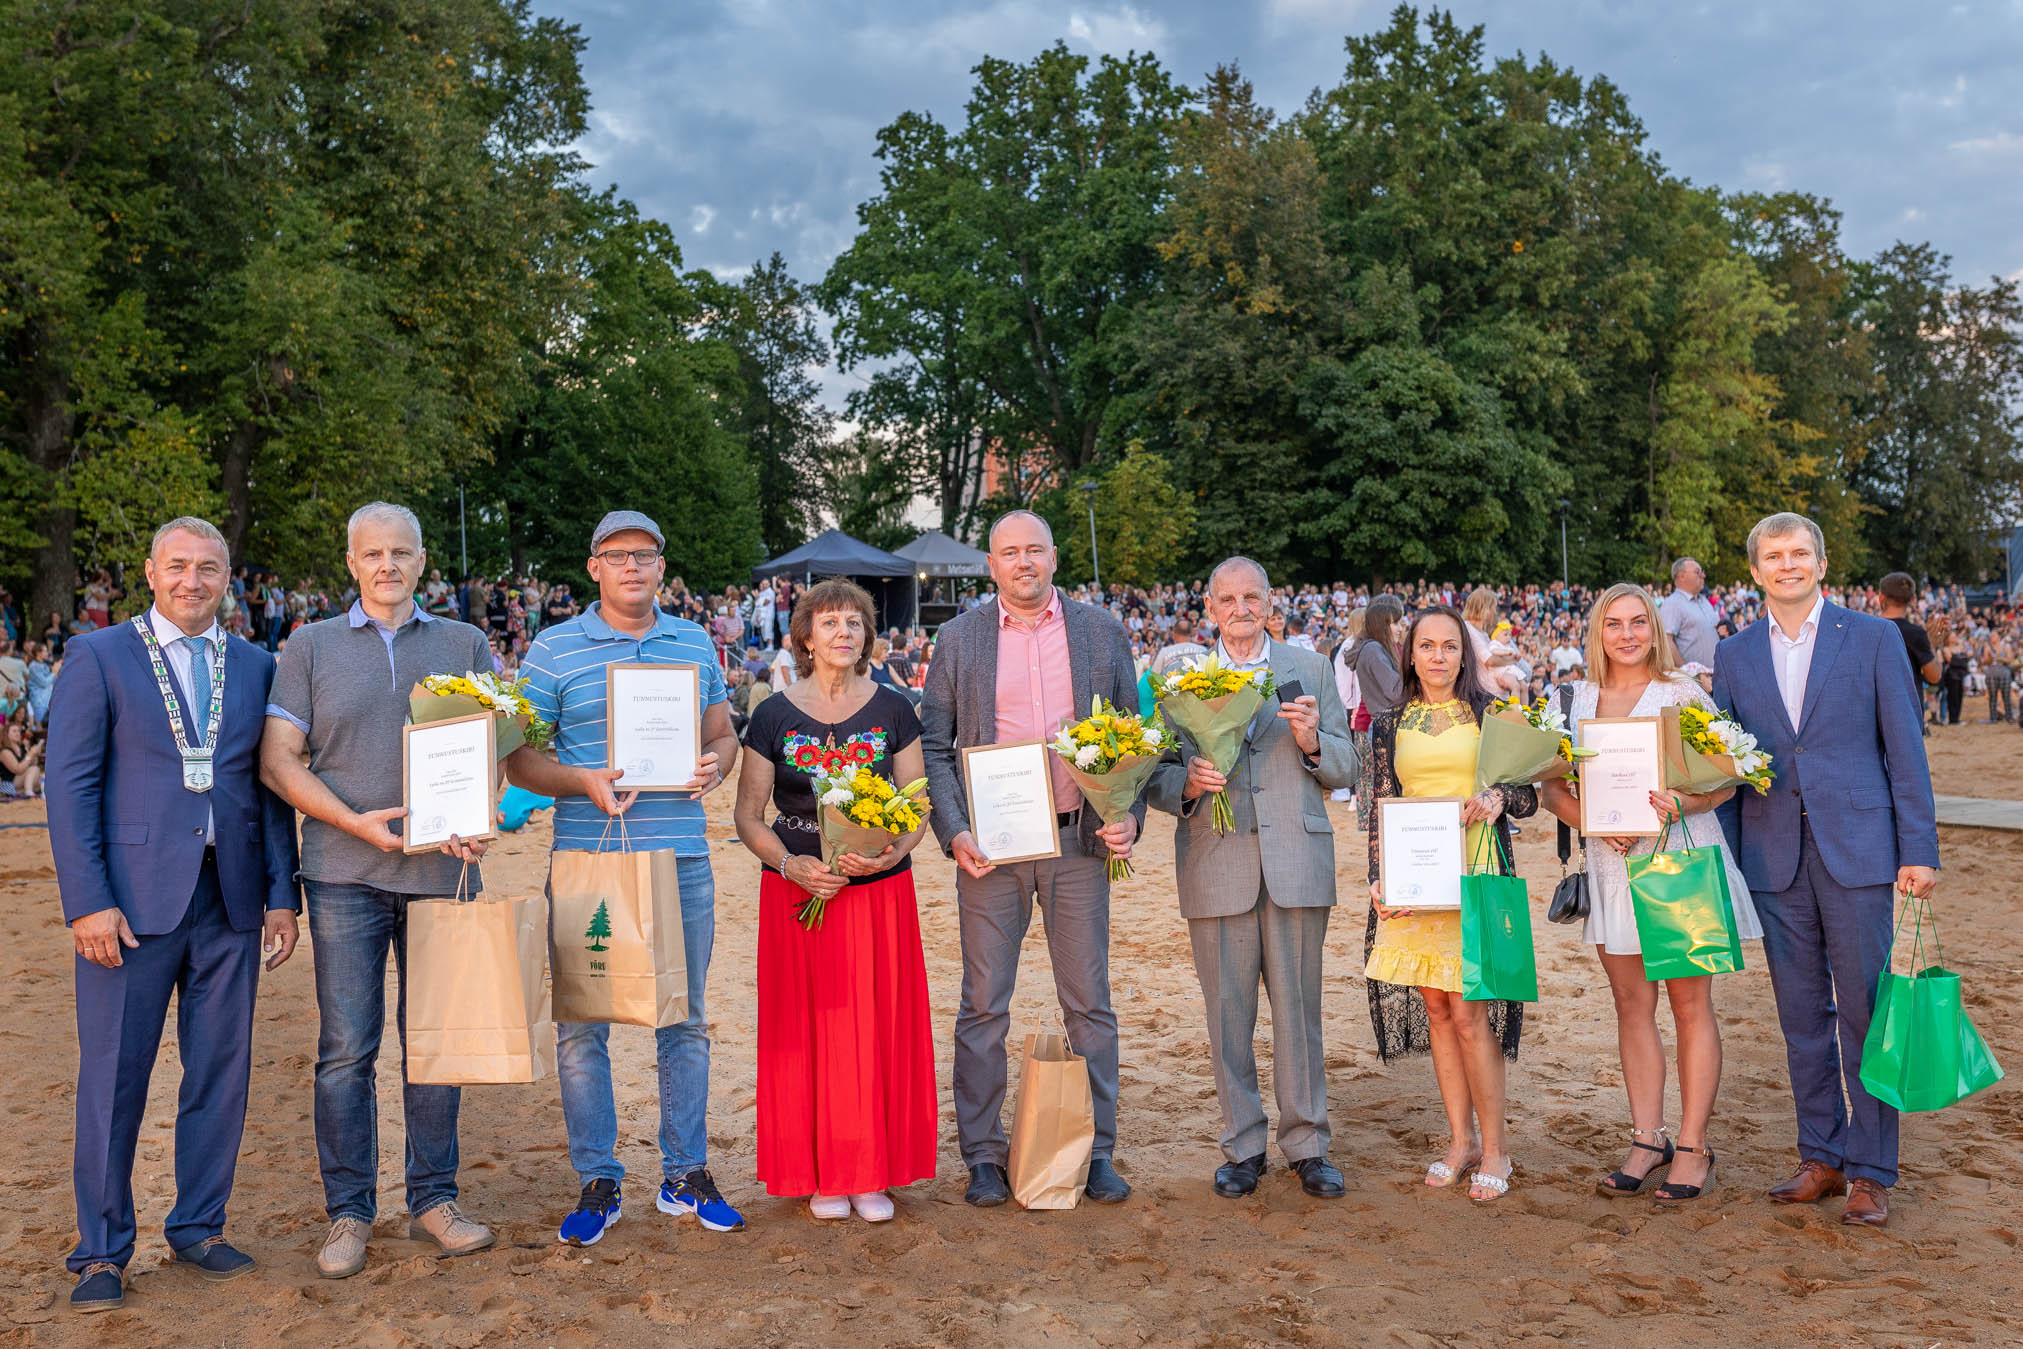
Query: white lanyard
[197,773]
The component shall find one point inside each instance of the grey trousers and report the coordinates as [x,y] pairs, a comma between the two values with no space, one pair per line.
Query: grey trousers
[1281,948]
[1073,892]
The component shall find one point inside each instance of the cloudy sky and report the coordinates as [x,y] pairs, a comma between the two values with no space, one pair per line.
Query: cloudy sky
[749,125]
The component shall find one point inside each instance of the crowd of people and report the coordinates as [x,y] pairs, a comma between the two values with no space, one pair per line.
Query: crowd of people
[1535,634]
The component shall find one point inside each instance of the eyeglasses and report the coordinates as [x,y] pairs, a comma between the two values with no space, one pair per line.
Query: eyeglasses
[645,557]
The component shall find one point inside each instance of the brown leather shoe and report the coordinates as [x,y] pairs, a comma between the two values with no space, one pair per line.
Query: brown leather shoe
[1815,1181]
[1868,1204]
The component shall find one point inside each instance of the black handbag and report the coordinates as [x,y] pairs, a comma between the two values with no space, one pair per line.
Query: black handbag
[1569,898]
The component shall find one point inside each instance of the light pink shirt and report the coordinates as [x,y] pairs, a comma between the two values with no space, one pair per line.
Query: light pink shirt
[1035,688]
[1791,659]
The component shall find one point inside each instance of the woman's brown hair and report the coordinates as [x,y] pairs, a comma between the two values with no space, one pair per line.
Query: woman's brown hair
[826,597]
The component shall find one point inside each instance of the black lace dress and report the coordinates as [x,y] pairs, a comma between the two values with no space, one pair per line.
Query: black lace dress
[1397,1011]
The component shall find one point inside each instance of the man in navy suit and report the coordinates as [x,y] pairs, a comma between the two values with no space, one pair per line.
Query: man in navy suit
[1846,826]
[177,871]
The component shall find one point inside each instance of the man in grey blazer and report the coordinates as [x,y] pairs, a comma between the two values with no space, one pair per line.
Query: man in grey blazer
[1014,668]
[1256,899]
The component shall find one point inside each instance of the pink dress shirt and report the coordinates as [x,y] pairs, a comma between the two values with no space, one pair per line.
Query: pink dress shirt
[1036,689]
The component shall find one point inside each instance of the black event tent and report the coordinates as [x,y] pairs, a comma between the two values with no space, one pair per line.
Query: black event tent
[833,553]
[936,554]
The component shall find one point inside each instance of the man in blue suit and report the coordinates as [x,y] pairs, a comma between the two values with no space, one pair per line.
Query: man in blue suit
[1846,826]
[177,871]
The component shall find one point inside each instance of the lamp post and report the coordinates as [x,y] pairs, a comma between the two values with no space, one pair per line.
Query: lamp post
[1563,504]
[463,547]
[1090,488]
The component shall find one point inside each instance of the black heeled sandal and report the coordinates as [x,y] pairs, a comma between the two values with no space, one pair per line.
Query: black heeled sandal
[1621,1184]
[1669,1193]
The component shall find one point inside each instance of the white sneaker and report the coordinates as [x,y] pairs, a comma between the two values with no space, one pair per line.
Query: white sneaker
[875,1207]
[828,1206]
[343,1253]
[1341,794]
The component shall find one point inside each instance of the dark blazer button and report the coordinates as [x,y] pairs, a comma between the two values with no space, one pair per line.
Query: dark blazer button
[198,831]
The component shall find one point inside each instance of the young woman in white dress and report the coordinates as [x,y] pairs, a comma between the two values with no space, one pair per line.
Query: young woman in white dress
[1634,674]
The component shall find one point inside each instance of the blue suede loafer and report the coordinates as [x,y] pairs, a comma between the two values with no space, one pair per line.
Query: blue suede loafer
[101,1288]
[215,1259]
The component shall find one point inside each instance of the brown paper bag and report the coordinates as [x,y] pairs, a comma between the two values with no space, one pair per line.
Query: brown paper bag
[617,942]
[477,998]
[1053,1127]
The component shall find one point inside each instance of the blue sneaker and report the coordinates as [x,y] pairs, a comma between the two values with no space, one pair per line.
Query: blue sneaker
[215,1259]
[101,1288]
[596,1213]
[697,1193]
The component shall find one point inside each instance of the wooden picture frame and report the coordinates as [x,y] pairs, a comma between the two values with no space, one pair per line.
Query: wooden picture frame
[970,754]
[414,818]
[648,780]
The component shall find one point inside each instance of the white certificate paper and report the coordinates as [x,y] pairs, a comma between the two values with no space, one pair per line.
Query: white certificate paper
[1421,851]
[1616,784]
[1011,801]
[654,718]
[447,781]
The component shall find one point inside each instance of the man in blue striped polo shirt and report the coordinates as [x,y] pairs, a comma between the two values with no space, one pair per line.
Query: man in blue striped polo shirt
[565,673]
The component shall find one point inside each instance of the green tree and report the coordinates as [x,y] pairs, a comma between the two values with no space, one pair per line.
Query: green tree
[770,321]
[1249,291]
[1143,520]
[1942,460]
[600,927]
[625,403]
[1001,262]
[1425,477]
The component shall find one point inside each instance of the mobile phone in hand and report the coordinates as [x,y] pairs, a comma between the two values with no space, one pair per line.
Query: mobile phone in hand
[1290,691]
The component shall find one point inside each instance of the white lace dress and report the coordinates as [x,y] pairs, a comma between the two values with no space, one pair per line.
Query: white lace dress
[1612,918]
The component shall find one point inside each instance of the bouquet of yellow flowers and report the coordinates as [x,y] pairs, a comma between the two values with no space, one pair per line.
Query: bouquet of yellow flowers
[862,813]
[1110,754]
[441,696]
[1524,743]
[1214,704]
[1706,750]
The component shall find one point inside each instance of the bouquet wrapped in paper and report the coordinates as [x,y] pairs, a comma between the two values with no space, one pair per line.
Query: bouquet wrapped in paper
[1214,704]
[441,696]
[1110,754]
[862,813]
[1707,750]
[1524,743]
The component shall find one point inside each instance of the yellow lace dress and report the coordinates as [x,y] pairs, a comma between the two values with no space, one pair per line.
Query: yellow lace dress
[1435,757]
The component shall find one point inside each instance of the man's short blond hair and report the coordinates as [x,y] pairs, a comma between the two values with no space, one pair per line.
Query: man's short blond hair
[188,524]
[1782,524]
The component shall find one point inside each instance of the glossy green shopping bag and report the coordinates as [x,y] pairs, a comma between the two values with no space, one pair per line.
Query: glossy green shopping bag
[1922,1052]
[1497,962]
[1685,917]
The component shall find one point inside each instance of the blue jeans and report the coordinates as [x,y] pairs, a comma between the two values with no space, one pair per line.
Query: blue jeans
[351,927]
[583,1059]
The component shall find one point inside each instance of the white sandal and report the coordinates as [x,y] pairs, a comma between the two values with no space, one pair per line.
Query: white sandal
[1498,1186]
[1440,1176]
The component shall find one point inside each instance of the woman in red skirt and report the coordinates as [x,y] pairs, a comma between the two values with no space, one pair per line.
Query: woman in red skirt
[846,1100]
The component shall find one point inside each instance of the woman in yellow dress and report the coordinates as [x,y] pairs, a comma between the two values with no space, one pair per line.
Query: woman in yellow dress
[1426,747]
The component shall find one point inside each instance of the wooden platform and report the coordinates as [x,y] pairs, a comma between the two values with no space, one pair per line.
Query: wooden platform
[1974,813]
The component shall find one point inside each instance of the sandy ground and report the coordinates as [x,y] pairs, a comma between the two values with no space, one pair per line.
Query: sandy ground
[1391,1264]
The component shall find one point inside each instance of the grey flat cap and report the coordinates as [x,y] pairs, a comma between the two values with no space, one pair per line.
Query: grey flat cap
[617,522]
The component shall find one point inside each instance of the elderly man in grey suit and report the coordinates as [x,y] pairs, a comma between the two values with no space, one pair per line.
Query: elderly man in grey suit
[1015,668]
[1256,899]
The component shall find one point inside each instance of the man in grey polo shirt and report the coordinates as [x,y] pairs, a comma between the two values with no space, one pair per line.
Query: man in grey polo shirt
[340,695]
[1688,617]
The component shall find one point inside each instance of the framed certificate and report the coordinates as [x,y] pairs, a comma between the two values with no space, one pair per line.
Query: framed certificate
[1011,801]
[1422,851]
[448,781]
[653,716]
[1616,784]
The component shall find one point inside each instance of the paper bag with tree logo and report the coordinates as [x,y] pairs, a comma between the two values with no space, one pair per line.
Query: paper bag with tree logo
[617,942]
[1053,1127]
[477,996]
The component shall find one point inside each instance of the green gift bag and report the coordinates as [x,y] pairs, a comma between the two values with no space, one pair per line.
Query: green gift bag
[1497,962]
[1922,1053]
[1685,917]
